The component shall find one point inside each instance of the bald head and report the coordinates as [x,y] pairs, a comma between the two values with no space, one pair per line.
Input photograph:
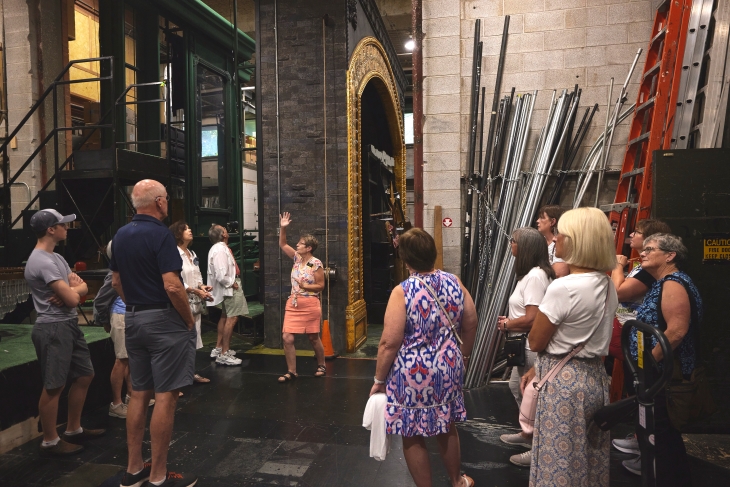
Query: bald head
[149,197]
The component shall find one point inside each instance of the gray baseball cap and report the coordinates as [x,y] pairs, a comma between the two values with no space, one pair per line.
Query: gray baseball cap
[44,219]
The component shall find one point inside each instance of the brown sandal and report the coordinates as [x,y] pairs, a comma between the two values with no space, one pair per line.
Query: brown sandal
[200,379]
[321,371]
[288,377]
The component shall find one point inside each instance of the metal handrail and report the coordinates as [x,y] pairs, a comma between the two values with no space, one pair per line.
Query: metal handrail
[58,81]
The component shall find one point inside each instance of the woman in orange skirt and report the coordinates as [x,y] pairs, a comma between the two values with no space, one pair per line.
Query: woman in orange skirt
[303,311]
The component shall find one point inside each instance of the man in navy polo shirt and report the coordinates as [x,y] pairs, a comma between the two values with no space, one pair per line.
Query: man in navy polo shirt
[160,331]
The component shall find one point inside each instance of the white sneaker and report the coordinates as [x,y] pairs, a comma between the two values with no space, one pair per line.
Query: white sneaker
[516,439]
[126,400]
[118,411]
[226,359]
[231,352]
[522,460]
[633,465]
[628,445]
[215,353]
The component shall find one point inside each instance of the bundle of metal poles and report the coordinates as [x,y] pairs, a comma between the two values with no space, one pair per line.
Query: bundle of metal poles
[519,194]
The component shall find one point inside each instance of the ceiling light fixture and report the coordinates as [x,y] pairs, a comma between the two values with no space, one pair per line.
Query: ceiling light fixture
[410,45]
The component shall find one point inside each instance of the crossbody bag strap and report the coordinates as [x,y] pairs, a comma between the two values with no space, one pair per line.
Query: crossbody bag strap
[558,367]
[435,297]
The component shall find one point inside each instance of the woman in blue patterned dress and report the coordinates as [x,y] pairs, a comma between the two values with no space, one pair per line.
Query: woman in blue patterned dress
[673,304]
[420,361]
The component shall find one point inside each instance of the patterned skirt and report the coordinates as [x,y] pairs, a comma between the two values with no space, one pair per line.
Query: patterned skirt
[568,449]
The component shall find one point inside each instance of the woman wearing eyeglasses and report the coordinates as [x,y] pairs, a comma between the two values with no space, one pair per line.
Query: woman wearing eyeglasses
[534,275]
[631,289]
[673,304]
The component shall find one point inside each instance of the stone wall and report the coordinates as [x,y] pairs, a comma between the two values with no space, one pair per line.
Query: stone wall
[300,166]
[553,44]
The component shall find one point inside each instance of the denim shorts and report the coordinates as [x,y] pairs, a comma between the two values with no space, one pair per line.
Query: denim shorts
[161,350]
[62,352]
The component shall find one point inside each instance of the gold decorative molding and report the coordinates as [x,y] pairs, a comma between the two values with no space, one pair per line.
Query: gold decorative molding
[356,324]
[369,62]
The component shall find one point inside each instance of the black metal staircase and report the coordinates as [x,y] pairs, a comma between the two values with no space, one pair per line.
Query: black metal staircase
[89,183]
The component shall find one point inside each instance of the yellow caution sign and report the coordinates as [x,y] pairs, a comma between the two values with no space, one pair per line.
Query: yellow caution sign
[716,249]
[640,346]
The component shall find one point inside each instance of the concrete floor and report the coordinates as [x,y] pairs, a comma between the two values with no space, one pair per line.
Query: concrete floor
[245,429]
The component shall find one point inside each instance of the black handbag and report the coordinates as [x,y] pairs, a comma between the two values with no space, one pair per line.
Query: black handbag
[514,347]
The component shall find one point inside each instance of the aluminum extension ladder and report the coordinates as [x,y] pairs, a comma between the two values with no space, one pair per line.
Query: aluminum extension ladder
[691,99]
[709,120]
[654,112]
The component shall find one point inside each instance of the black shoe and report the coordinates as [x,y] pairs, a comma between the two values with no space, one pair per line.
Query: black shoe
[177,480]
[87,434]
[60,449]
[130,480]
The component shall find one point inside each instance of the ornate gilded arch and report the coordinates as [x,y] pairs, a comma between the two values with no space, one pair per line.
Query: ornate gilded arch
[368,62]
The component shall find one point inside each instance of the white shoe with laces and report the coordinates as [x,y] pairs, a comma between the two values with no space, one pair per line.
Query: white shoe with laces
[215,353]
[522,460]
[633,465]
[628,445]
[226,359]
[118,410]
[516,439]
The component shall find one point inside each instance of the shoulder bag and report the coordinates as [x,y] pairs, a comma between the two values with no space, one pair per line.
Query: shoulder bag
[514,347]
[197,306]
[528,407]
[435,297]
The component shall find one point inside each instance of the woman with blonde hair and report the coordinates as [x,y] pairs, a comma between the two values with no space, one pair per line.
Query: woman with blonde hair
[576,316]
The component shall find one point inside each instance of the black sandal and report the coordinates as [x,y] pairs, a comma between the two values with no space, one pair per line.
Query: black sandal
[288,377]
[321,371]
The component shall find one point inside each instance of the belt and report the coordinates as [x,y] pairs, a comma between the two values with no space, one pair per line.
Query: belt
[133,308]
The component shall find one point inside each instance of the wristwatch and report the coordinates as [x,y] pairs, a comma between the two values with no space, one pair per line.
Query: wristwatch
[378,382]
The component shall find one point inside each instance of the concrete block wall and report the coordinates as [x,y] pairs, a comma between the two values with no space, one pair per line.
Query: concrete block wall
[553,45]
[33,58]
[301,132]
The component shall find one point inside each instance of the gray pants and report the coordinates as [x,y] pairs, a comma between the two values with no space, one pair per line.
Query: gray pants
[161,350]
[518,372]
[62,352]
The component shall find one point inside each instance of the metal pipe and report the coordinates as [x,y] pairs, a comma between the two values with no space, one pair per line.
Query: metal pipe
[417,58]
[605,147]
[278,149]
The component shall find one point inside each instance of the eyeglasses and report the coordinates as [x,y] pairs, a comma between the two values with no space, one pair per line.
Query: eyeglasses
[636,232]
[167,197]
[649,250]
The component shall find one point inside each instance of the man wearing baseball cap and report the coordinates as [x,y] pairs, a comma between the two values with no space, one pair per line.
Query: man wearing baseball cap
[59,343]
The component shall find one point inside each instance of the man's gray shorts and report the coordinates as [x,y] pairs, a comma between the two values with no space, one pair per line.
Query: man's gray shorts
[62,352]
[161,350]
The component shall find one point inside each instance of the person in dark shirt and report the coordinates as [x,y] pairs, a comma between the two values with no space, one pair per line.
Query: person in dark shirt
[160,331]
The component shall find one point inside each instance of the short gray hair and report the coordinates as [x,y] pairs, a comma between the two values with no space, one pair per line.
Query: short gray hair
[670,243]
[215,234]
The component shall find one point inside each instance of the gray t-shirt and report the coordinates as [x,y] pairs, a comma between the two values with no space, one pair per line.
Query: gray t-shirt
[41,270]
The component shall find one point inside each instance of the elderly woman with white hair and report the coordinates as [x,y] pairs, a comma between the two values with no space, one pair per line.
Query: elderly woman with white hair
[568,449]
[227,290]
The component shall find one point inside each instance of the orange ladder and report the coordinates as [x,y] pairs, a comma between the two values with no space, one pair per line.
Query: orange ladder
[651,124]
[653,118]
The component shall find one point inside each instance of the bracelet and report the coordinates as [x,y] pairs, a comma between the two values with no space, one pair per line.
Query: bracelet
[505,324]
[378,382]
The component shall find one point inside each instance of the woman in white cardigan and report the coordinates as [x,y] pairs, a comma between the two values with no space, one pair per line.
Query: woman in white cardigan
[224,278]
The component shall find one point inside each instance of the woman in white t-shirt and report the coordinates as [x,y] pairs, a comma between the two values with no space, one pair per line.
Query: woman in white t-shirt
[577,309]
[534,274]
[547,224]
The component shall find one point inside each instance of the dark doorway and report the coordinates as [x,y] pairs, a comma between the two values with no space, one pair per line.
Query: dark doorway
[378,182]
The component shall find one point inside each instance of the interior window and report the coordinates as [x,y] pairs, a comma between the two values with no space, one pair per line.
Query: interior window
[210,120]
